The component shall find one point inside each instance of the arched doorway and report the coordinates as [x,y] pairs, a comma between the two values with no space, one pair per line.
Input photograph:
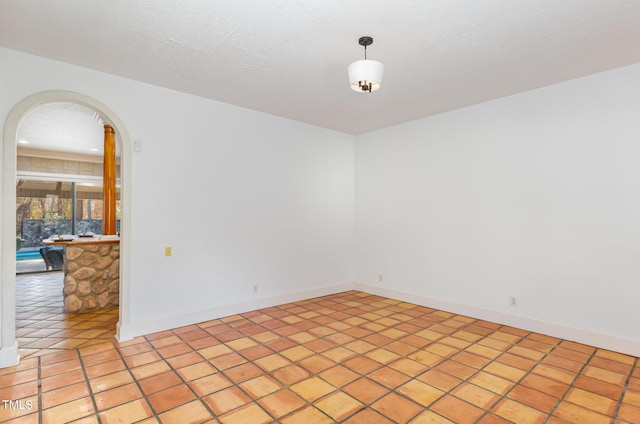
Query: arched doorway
[9,347]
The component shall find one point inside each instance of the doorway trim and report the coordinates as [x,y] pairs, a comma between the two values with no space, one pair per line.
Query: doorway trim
[8,343]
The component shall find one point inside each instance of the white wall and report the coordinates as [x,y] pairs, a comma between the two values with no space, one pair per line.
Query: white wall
[277,209]
[535,195]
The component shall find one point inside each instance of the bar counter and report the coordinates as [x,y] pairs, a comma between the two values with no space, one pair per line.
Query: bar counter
[91,272]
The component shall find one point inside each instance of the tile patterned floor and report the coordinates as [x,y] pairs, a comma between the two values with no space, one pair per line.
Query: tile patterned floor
[350,358]
[42,327]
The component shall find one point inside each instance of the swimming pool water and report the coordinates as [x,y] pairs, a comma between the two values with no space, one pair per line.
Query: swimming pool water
[28,255]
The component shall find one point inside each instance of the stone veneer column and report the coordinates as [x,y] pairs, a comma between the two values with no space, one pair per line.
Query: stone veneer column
[92,276]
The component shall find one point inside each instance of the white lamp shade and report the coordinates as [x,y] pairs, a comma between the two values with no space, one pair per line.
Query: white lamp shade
[365,72]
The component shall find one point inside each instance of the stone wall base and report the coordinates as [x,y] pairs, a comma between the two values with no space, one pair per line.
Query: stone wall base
[92,276]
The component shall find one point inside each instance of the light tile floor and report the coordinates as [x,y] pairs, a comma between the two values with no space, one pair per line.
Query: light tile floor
[349,357]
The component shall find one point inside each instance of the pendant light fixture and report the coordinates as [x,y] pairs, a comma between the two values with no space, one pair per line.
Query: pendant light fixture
[365,75]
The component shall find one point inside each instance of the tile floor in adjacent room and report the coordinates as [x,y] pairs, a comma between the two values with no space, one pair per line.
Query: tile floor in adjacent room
[349,357]
[42,327]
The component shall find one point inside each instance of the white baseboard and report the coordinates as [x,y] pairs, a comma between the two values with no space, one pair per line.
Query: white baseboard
[584,336]
[9,356]
[129,331]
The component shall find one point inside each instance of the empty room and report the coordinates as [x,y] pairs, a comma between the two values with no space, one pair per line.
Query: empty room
[319,212]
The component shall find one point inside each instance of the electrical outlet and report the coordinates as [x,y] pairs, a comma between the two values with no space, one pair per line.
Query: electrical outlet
[513,301]
[380,278]
[168,251]
[255,288]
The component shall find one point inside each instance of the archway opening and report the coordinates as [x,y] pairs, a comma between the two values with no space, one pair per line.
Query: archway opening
[12,136]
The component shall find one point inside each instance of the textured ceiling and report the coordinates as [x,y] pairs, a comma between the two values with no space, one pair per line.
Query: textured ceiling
[63,127]
[289,57]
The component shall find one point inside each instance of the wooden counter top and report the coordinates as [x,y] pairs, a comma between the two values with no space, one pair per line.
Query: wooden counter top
[81,240]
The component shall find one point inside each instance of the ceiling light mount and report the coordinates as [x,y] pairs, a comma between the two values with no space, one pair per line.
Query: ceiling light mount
[365,75]
[365,41]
